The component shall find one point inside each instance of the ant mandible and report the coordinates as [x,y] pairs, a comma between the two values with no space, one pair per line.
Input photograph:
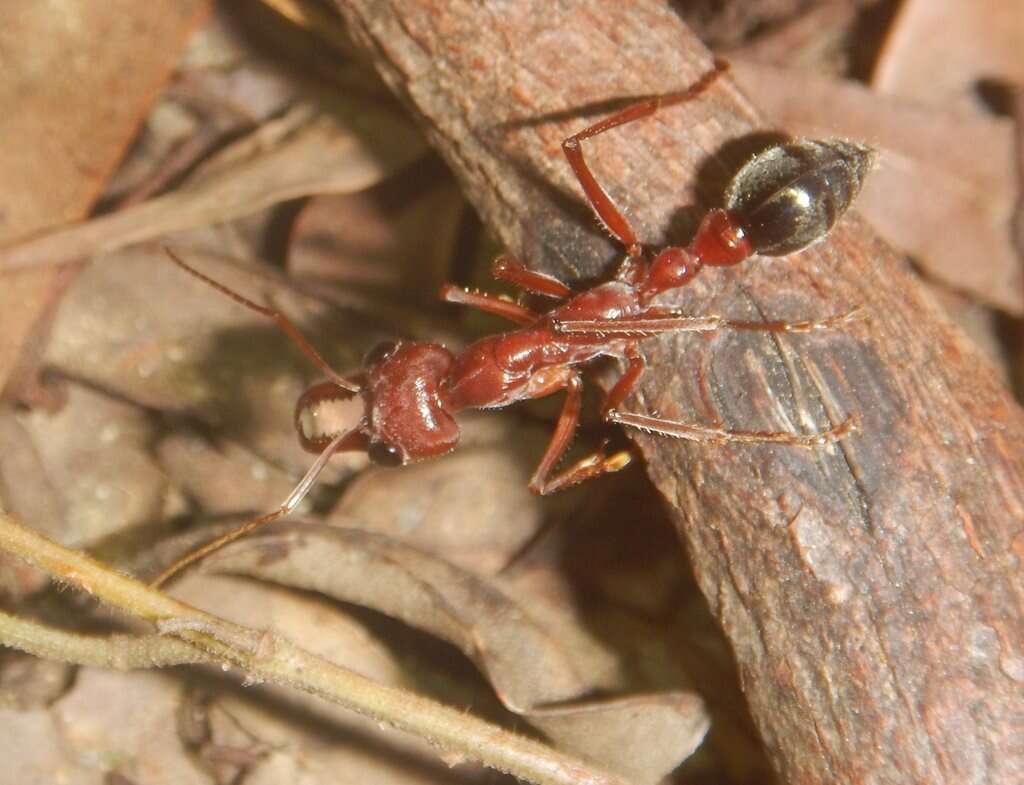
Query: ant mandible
[781,201]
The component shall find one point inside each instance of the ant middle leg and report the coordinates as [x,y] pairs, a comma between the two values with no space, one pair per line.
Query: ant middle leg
[607,212]
[593,465]
[657,321]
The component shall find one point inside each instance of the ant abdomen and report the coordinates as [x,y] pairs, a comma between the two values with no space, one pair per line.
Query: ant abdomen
[790,195]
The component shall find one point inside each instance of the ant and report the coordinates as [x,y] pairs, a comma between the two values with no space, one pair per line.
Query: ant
[784,199]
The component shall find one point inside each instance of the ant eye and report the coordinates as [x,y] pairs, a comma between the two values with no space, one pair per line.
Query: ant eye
[384,454]
[379,352]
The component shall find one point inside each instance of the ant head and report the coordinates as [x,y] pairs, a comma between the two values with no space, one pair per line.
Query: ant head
[406,416]
[396,415]
[790,195]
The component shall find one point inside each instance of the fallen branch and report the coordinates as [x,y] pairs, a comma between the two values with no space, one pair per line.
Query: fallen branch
[871,590]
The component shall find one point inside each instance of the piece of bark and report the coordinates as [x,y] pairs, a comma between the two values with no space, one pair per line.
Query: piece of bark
[871,590]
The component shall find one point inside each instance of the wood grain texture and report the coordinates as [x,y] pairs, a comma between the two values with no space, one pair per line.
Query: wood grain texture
[872,591]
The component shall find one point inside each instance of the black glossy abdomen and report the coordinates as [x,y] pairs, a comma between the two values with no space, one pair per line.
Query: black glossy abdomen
[790,195]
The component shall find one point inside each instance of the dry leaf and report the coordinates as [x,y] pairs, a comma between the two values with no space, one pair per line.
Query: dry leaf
[399,236]
[25,489]
[303,153]
[309,738]
[192,350]
[472,506]
[937,51]
[125,722]
[63,141]
[223,478]
[643,737]
[34,748]
[96,452]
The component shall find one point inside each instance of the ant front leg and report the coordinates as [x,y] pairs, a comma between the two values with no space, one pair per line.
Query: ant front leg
[593,465]
[607,212]
[506,268]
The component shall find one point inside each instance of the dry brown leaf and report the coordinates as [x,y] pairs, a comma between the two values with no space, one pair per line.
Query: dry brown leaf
[225,478]
[937,51]
[480,524]
[136,325]
[399,236]
[944,190]
[221,89]
[96,452]
[529,668]
[126,722]
[62,141]
[303,153]
[310,740]
[27,682]
[33,747]
[25,489]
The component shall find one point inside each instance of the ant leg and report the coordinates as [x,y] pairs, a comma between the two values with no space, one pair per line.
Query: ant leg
[489,303]
[699,433]
[282,321]
[600,201]
[591,466]
[506,268]
[705,435]
[657,321]
[293,501]
[626,383]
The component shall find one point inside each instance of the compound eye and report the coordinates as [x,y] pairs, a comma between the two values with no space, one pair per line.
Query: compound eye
[384,454]
[379,353]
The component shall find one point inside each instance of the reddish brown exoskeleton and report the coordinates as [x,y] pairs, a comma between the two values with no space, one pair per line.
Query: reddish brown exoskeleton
[408,393]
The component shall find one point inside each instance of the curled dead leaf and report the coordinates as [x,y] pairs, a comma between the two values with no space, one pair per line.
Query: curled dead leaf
[643,737]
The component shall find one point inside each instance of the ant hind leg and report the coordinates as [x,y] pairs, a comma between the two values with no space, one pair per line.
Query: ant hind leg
[606,210]
[706,435]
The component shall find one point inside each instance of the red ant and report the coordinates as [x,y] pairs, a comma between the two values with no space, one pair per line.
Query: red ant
[781,201]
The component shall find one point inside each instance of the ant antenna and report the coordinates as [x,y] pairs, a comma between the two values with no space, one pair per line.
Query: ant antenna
[293,501]
[282,321]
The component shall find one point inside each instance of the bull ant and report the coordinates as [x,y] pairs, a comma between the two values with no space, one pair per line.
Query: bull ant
[784,199]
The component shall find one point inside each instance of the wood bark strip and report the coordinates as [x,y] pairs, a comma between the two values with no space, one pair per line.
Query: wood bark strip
[872,591]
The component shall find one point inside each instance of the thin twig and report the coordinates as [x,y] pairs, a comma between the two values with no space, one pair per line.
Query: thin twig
[120,652]
[268,657]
